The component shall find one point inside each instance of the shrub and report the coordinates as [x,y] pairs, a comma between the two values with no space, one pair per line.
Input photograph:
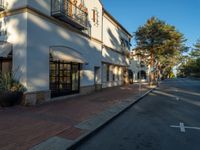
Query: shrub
[10,84]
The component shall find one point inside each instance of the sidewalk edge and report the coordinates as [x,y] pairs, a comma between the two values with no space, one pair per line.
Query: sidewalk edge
[90,133]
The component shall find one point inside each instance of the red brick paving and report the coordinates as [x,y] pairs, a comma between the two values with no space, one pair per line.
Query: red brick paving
[23,127]
[72,133]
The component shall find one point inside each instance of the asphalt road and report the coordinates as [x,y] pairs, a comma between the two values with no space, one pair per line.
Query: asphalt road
[148,124]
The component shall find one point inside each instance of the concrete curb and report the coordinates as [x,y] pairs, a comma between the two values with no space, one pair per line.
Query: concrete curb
[84,137]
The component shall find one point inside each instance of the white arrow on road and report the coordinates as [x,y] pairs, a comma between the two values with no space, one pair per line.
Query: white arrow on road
[182,127]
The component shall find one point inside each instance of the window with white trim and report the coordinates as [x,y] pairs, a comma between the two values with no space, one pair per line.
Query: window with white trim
[95,16]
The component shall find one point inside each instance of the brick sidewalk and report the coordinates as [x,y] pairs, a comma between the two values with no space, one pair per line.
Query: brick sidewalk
[23,127]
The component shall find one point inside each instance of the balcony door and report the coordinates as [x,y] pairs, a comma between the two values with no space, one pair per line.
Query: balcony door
[64,78]
[68,7]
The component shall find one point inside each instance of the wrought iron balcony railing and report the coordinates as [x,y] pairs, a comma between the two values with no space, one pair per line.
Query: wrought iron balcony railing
[70,13]
[2,5]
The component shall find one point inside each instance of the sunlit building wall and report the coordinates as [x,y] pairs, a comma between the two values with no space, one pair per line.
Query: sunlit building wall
[64,47]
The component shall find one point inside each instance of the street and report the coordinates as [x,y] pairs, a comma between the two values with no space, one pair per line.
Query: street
[167,119]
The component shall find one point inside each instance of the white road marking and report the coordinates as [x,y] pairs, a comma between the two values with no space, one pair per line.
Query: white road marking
[182,127]
[185,92]
[190,92]
[167,94]
[163,93]
[195,128]
[176,90]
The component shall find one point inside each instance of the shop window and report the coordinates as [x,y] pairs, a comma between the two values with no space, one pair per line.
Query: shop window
[120,74]
[64,78]
[107,73]
[113,77]
[116,73]
[5,65]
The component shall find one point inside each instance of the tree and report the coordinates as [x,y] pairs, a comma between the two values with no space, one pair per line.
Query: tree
[161,44]
[191,65]
[191,68]
[195,53]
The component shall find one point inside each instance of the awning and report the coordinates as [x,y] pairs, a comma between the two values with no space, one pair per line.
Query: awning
[66,54]
[5,49]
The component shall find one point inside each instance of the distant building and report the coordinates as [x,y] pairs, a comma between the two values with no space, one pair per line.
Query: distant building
[139,68]
[62,47]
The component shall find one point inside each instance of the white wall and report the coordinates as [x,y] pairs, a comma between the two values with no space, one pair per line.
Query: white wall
[111,53]
[113,69]
[114,57]
[112,34]
[12,4]
[96,29]
[41,35]
[112,39]
[44,6]
[16,27]
[31,51]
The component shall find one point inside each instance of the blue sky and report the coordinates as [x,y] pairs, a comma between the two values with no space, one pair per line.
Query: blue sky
[184,14]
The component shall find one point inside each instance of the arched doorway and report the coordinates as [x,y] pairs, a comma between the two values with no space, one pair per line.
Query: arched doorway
[142,75]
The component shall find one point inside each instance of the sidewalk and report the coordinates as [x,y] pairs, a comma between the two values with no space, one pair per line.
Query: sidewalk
[58,125]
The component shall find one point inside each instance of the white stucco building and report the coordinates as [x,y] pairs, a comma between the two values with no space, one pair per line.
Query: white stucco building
[140,70]
[62,47]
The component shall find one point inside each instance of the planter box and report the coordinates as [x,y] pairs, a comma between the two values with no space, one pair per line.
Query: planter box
[8,99]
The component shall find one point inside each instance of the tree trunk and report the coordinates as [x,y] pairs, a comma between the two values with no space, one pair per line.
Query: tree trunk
[152,76]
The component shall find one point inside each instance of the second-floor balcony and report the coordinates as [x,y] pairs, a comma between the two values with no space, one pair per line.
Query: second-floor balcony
[69,13]
[2,5]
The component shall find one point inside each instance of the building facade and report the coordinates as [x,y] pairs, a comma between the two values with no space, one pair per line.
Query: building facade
[62,47]
[140,70]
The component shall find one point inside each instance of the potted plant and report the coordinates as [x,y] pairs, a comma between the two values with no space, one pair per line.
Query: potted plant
[11,90]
